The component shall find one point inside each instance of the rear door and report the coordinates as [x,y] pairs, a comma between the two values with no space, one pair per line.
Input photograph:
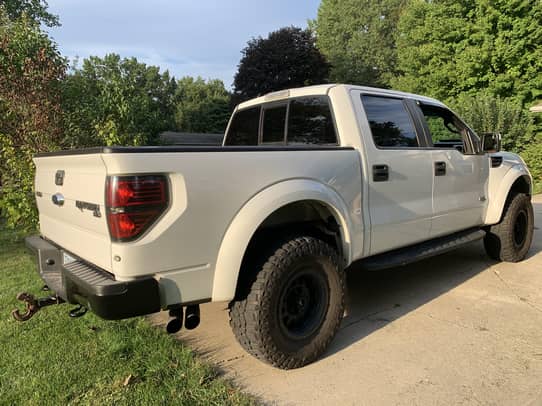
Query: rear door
[400,178]
[460,172]
[70,194]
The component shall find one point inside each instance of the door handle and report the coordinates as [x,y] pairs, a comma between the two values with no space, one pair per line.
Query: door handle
[381,173]
[440,168]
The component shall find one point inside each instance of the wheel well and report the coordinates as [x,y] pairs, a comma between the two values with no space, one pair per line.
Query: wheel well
[308,217]
[521,185]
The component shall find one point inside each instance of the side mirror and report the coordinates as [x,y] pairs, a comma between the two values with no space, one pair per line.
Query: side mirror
[491,142]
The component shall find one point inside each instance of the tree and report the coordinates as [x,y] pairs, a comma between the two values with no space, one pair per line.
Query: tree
[358,39]
[448,47]
[201,107]
[35,10]
[114,101]
[31,70]
[287,58]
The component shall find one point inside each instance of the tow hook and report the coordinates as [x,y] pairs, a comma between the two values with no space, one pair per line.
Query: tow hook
[32,305]
[78,311]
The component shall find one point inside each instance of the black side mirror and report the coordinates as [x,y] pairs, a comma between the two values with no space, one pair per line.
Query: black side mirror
[491,142]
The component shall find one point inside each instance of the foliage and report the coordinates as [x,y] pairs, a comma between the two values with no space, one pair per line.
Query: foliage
[31,70]
[201,107]
[486,113]
[533,158]
[358,39]
[35,10]
[287,58]
[449,47]
[114,101]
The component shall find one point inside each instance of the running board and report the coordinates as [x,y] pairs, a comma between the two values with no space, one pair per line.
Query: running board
[417,252]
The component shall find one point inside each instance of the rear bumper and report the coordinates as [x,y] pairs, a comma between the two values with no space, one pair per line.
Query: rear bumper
[81,283]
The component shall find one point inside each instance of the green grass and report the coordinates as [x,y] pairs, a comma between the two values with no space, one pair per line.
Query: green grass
[52,359]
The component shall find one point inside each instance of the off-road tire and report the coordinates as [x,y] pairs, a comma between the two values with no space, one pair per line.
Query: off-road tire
[261,319]
[511,239]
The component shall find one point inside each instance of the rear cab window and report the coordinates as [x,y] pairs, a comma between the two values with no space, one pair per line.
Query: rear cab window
[274,124]
[243,129]
[295,122]
[310,122]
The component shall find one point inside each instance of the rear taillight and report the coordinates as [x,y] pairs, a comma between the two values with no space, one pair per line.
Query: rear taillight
[134,203]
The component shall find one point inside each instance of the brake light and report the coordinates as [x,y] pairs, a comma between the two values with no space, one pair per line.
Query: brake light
[134,203]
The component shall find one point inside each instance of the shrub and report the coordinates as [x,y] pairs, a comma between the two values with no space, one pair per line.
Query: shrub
[31,69]
[486,113]
[533,158]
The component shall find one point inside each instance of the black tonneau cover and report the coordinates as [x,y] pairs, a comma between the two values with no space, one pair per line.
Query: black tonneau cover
[191,148]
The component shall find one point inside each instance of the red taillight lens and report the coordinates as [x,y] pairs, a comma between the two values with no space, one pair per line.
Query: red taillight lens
[126,191]
[134,203]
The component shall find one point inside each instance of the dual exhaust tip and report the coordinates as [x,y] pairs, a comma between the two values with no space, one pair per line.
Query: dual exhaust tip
[191,319]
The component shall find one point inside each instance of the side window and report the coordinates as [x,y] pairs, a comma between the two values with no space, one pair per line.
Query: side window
[390,122]
[244,127]
[274,120]
[310,122]
[447,131]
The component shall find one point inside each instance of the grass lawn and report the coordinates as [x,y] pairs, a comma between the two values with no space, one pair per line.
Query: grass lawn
[54,360]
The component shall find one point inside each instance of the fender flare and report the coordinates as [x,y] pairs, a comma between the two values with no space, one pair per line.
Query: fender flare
[497,198]
[247,221]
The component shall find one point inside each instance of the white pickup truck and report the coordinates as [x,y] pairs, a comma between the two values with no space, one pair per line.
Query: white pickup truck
[308,182]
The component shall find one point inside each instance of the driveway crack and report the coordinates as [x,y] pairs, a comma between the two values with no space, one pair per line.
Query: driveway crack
[512,290]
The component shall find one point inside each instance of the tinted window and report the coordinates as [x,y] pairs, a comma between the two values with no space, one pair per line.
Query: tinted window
[445,128]
[274,119]
[390,122]
[244,127]
[310,122]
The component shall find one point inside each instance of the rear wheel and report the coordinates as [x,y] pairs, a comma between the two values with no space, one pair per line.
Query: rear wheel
[293,308]
[511,239]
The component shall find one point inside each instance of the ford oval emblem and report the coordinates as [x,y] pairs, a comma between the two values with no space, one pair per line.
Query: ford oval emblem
[58,199]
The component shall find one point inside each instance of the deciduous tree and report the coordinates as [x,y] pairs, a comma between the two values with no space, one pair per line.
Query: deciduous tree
[287,58]
[35,10]
[114,101]
[201,106]
[31,70]
[358,39]
[448,47]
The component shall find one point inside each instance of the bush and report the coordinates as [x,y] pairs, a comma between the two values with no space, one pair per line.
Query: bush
[533,158]
[114,101]
[486,113]
[31,69]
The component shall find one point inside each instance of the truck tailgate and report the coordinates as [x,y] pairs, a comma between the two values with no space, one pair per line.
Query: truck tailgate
[70,197]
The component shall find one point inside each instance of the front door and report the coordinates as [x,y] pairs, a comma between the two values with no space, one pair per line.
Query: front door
[460,172]
[400,173]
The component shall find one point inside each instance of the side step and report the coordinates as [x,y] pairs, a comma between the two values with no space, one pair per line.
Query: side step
[417,252]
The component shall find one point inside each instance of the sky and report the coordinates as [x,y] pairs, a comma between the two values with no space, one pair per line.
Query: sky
[187,37]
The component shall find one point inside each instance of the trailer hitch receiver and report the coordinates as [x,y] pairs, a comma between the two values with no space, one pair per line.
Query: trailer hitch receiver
[33,304]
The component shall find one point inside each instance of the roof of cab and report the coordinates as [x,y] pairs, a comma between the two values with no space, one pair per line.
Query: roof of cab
[320,90]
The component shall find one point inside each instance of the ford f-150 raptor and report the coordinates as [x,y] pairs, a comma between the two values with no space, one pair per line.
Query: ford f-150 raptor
[308,181]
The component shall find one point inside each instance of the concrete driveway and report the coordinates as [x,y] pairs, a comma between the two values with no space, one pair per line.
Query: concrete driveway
[456,329]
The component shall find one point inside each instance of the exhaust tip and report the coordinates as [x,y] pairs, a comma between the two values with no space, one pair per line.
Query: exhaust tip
[192,318]
[174,325]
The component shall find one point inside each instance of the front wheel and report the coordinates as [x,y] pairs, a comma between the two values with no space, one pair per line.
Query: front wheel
[511,239]
[294,306]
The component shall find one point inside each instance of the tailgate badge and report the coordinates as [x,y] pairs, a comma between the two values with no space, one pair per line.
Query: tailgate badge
[59,178]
